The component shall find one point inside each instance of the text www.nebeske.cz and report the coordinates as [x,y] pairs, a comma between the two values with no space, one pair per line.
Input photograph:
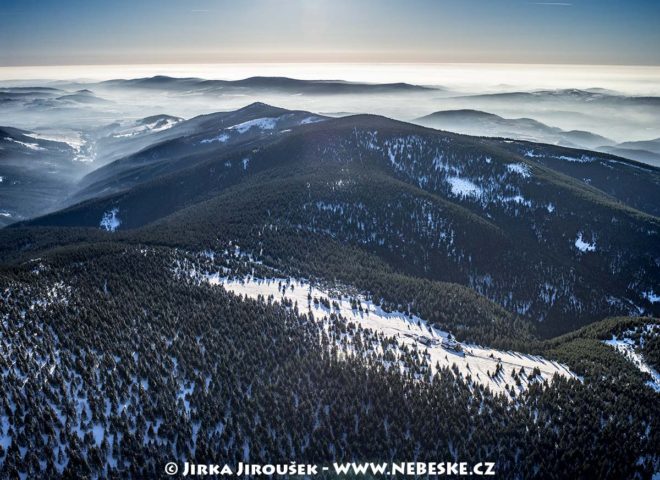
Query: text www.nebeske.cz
[352,468]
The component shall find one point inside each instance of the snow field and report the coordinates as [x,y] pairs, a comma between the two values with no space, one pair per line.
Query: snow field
[479,362]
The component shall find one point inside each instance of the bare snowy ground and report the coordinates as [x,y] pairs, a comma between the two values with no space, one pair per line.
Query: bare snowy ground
[492,368]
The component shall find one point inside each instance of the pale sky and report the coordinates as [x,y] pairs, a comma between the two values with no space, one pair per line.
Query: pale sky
[75,32]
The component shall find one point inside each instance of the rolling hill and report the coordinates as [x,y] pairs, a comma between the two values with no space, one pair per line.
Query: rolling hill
[647,151]
[475,122]
[516,222]
[269,84]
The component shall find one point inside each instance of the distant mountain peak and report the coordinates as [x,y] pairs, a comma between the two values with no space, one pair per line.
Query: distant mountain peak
[460,113]
[287,84]
[156,118]
[262,109]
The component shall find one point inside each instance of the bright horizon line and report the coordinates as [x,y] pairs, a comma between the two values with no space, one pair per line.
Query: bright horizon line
[340,62]
[464,76]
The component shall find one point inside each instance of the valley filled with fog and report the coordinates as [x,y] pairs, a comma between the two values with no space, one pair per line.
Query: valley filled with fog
[56,131]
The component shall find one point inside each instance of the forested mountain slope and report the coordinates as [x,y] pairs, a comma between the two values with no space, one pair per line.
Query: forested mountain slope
[489,215]
[118,364]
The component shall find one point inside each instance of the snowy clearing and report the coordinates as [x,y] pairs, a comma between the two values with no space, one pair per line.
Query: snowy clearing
[110,221]
[519,168]
[478,362]
[266,123]
[29,146]
[460,187]
[308,120]
[580,159]
[152,127]
[651,296]
[583,246]
[72,138]
[222,138]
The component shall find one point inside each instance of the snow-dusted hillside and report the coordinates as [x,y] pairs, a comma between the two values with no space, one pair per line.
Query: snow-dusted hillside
[282,123]
[156,123]
[495,369]
[628,343]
